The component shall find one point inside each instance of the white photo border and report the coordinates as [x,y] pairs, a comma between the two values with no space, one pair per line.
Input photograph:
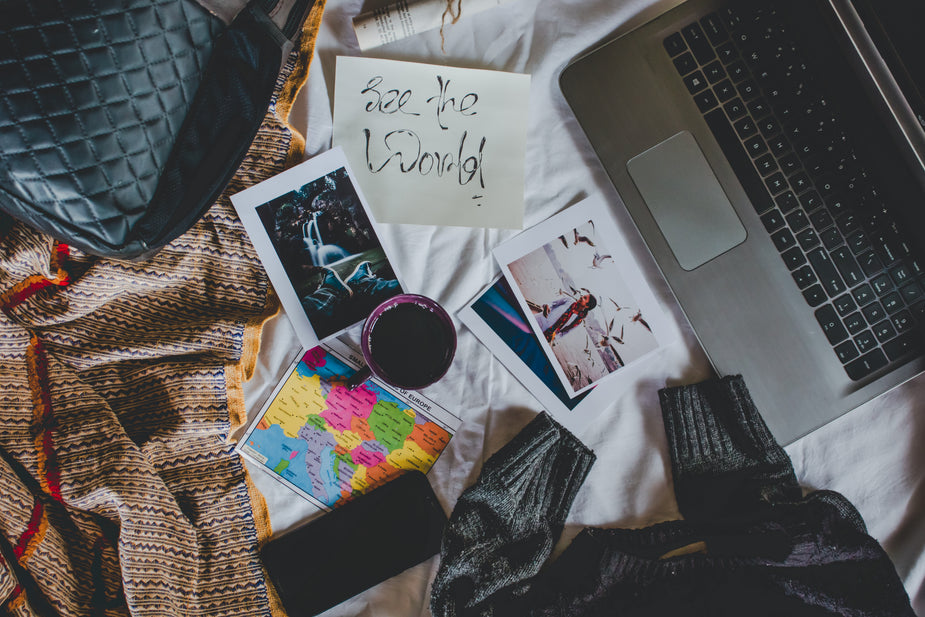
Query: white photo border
[249,200]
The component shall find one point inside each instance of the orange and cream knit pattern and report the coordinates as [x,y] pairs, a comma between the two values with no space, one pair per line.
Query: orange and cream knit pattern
[120,382]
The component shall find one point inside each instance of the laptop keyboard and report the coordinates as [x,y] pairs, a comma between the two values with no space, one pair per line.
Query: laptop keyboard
[818,201]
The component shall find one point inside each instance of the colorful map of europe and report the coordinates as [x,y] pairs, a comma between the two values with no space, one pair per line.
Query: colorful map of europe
[334,443]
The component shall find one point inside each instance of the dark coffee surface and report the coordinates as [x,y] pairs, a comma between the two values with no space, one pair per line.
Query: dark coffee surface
[410,345]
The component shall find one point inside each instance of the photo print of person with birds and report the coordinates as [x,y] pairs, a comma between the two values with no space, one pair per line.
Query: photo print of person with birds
[589,305]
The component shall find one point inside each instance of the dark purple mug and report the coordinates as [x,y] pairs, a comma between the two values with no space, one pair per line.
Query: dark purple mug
[408,342]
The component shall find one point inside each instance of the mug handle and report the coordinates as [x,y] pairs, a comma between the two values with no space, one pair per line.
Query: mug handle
[359,378]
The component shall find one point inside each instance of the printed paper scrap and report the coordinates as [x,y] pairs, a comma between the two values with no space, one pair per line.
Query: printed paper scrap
[435,145]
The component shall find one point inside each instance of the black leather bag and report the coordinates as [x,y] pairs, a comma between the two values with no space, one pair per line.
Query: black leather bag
[122,121]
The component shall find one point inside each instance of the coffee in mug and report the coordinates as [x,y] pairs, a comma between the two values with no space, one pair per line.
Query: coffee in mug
[408,342]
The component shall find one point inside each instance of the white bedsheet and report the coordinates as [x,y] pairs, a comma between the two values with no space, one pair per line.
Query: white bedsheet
[872,455]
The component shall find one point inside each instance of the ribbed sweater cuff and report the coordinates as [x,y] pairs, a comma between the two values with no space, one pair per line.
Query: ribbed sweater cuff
[541,468]
[722,453]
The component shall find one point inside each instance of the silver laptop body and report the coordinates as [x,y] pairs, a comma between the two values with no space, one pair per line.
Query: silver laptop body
[714,244]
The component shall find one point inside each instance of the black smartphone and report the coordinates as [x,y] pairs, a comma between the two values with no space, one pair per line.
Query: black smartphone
[355,546]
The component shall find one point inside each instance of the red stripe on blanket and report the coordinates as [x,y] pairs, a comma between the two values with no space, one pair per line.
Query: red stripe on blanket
[30,286]
[25,546]
[43,418]
[34,530]
[13,601]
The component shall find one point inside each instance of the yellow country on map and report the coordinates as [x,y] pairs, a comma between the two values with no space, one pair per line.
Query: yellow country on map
[298,398]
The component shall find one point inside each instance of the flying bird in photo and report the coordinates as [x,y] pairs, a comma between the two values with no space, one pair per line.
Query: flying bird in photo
[607,338]
[581,239]
[599,259]
[637,318]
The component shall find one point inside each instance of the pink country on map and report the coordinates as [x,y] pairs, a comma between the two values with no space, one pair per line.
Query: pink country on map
[344,405]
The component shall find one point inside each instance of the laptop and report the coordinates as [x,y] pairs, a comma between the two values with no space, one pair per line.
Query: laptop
[771,155]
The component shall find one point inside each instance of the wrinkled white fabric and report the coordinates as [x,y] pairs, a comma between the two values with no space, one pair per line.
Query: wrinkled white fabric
[870,455]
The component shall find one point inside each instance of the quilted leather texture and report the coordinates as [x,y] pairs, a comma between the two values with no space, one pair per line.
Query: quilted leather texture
[92,97]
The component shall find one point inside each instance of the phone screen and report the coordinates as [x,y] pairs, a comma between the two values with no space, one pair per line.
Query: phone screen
[358,545]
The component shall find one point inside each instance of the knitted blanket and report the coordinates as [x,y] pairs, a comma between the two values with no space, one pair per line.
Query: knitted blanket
[120,492]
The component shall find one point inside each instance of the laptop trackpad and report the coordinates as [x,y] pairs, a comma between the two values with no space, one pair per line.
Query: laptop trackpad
[686,200]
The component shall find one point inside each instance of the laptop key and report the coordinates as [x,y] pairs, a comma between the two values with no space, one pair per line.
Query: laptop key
[882,284]
[821,219]
[786,201]
[903,321]
[867,364]
[846,352]
[831,238]
[901,273]
[758,108]
[870,263]
[776,183]
[847,266]
[865,341]
[783,240]
[797,220]
[805,277]
[714,72]
[737,71]
[911,292]
[766,163]
[884,330]
[685,64]
[847,223]
[745,128]
[854,323]
[674,44]
[725,90]
[808,239]
[810,200]
[886,248]
[695,82]
[697,41]
[794,258]
[772,221]
[814,295]
[735,109]
[825,270]
[800,182]
[769,128]
[705,101]
[919,311]
[844,304]
[858,241]
[748,90]
[713,27]
[901,346]
[727,53]
[892,302]
[755,146]
[790,164]
[779,146]
[863,294]
[832,326]
[873,312]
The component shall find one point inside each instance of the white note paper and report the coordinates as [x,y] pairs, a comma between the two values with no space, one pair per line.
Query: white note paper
[434,145]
